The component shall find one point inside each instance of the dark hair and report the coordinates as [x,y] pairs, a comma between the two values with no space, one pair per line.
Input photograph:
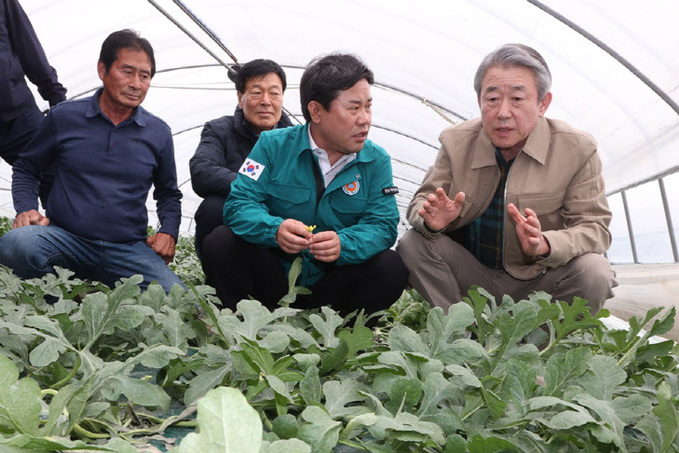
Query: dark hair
[125,39]
[326,76]
[256,68]
[516,55]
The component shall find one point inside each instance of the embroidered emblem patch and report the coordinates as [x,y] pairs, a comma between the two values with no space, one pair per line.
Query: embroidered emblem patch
[351,188]
[252,169]
[393,190]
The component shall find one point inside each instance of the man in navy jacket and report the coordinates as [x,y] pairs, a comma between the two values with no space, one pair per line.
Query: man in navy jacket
[108,151]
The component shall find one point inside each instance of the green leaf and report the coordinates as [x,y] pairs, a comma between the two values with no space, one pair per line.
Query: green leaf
[491,444]
[276,342]
[341,398]
[20,401]
[357,425]
[174,328]
[255,316]
[226,423]
[279,387]
[334,359]
[563,368]
[285,426]
[99,310]
[569,419]
[286,446]
[402,338]
[442,327]
[204,382]
[604,378]
[404,395]
[466,375]
[519,384]
[140,392]
[328,326]
[360,338]
[320,431]
[29,444]
[664,324]
[407,428]
[310,387]
[662,426]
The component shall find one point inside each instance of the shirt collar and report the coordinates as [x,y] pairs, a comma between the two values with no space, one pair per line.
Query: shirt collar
[95,110]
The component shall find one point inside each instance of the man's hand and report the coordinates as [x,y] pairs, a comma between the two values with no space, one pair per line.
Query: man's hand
[292,236]
[31,217]
[529,231]
[164,246]
[325,246]
[439,210]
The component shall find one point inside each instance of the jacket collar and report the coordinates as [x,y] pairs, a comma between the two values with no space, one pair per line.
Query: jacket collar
[536,146]
[367,154]
[94,110]
[244,127]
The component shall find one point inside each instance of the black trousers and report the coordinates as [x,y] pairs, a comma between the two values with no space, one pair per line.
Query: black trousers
[208,216]
[238,269]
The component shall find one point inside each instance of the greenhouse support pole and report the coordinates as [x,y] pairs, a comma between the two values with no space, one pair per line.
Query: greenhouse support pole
[630,230]
[668,218]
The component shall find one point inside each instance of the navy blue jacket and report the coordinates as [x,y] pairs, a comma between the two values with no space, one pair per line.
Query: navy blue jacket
[22,55]
[103,172]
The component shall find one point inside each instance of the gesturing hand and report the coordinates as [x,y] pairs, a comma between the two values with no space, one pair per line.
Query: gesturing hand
[529,231]
[439,210]
[292,236]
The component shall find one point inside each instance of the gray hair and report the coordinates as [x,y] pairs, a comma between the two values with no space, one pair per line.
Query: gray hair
[516,55]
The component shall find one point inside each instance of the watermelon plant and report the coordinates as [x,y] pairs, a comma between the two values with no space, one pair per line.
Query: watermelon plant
[86,367]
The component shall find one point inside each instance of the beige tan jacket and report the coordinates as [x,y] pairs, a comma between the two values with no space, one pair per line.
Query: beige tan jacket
[557,174]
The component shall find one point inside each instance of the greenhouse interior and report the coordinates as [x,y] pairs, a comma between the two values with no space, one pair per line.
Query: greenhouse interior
[614,67]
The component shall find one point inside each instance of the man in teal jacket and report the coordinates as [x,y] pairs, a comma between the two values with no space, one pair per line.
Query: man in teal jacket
[321,191]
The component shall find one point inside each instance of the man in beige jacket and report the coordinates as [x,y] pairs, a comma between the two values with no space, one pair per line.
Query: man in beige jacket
[515,202]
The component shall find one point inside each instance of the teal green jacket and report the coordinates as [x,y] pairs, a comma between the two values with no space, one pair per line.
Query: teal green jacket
[359,204]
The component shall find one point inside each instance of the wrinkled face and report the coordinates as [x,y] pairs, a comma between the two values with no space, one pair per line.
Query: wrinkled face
[343,128]
[510,107]
[262,101]
[127,80]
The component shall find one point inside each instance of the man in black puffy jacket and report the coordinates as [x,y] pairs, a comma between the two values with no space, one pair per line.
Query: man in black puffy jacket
[225,142]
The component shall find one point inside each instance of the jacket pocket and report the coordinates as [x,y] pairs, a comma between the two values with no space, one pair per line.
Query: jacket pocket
[348,209]
[287,200]
[546,206]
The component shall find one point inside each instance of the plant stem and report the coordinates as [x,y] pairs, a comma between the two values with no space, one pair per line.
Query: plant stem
[70,375]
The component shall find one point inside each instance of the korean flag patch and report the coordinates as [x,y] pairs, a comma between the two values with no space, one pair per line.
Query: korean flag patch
[252,169]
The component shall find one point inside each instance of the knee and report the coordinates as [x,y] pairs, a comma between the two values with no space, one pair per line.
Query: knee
[596,279]
[392,268]
[211,210]
[215,242]
[18,250]
[410,248]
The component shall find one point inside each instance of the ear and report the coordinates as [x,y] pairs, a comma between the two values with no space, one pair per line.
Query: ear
[315,110]
[544,104]
[101,69]
[240,99]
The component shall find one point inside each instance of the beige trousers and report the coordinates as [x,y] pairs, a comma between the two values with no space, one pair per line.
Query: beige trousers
[442,271]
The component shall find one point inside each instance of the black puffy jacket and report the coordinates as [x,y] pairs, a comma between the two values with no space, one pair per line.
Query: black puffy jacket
[224,144]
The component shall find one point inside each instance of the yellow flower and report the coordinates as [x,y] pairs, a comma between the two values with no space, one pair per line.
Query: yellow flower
[310,228]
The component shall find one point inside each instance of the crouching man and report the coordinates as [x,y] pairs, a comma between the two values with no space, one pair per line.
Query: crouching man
[108,152]
[321,191]
[514,202]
